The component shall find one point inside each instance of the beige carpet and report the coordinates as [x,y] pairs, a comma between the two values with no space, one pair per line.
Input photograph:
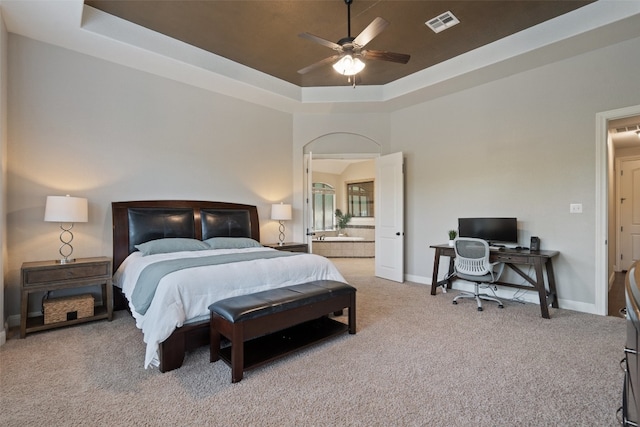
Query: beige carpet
[417,360]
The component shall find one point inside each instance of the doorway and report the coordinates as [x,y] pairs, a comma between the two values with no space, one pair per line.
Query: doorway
[344,185]
[328,157]
[607,231]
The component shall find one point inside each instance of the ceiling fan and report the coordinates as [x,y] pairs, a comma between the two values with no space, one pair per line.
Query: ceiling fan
[351,51]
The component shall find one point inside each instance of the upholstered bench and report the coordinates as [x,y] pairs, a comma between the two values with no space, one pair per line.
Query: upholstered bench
[297,313]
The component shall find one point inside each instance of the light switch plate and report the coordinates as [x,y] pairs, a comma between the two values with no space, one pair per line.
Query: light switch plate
[575,208]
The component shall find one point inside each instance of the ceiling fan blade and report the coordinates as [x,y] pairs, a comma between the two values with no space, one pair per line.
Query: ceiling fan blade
[321,41]
[375,28]
[386,56]
[325,61]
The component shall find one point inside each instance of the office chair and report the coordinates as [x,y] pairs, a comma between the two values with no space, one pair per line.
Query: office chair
[472,264]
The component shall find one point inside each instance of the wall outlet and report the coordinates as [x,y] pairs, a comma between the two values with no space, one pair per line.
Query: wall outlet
[575,208]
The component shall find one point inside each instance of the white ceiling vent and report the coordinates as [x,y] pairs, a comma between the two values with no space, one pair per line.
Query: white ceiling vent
[442,22]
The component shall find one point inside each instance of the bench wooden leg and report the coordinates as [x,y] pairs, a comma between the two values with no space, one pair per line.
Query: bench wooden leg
[352,313]
[237,352]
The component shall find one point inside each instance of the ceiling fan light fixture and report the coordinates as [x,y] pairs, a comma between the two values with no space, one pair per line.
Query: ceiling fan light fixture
[348,65]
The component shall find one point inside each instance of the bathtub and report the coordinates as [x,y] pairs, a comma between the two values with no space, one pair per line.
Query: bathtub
[344,247]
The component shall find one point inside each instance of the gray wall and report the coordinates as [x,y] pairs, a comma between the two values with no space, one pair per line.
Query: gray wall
[86,127]
[522,145]
[3,169]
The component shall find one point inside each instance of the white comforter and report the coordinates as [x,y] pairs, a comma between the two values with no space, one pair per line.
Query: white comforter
[185,295]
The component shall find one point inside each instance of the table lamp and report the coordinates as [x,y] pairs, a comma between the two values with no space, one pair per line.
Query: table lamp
[281,212]
[66,210]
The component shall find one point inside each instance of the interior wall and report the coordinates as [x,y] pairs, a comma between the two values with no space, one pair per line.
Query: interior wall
[521,146]
[3,170]
[86,127]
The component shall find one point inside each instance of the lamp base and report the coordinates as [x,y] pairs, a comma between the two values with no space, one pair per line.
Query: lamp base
[65,260]
[281,236]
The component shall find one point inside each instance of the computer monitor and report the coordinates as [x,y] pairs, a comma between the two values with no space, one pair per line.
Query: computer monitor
[493,230]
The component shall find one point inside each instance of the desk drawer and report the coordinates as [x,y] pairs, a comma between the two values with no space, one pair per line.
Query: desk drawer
[514,259]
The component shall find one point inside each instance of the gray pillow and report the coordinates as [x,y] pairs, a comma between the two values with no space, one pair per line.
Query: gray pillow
[171,244]
[232,243]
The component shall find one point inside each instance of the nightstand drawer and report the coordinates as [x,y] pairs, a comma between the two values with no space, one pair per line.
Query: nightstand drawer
[66,272]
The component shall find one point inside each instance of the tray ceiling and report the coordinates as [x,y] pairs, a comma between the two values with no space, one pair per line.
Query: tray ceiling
[263,34]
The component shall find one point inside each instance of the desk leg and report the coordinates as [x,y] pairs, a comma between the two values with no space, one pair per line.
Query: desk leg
[434,277]
[542,291]
[552,284]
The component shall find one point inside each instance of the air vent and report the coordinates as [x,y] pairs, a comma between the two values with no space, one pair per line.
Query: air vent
[631,128]
[442,22]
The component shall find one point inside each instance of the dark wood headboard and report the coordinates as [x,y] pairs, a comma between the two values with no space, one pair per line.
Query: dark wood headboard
[140,221]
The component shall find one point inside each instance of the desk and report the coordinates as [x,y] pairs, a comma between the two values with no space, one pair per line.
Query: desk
[540,260]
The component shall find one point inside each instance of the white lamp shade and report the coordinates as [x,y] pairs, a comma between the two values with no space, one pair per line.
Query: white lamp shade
[281,212]
[66,209]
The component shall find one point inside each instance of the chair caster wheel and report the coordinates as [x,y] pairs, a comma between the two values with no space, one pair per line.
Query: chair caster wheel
[501,306]
[479,308]
[455,302]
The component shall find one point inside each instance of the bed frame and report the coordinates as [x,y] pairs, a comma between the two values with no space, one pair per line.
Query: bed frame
[140,221]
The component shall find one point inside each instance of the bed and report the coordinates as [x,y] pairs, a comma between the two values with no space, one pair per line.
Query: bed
[174,318]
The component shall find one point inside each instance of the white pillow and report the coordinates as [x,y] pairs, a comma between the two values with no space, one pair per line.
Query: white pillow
[171,244]
[232,243]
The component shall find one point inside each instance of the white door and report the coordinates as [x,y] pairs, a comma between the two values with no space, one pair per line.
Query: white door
[389,214]
[309,223]
[629,213]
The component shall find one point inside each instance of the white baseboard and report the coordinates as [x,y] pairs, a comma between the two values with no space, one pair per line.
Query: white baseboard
[507,293]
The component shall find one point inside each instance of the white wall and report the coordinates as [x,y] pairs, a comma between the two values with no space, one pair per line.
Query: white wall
[3,170]
[521,146]
[86,127]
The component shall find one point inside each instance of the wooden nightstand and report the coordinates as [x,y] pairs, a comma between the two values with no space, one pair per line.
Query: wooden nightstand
[43,276]
[289,246]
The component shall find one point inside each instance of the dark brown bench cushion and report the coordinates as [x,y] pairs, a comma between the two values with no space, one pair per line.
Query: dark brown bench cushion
[252,306]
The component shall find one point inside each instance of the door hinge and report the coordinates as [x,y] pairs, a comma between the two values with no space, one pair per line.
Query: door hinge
[621,256]
[621,229]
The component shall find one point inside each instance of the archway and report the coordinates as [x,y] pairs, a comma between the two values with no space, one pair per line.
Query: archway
[331,155]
